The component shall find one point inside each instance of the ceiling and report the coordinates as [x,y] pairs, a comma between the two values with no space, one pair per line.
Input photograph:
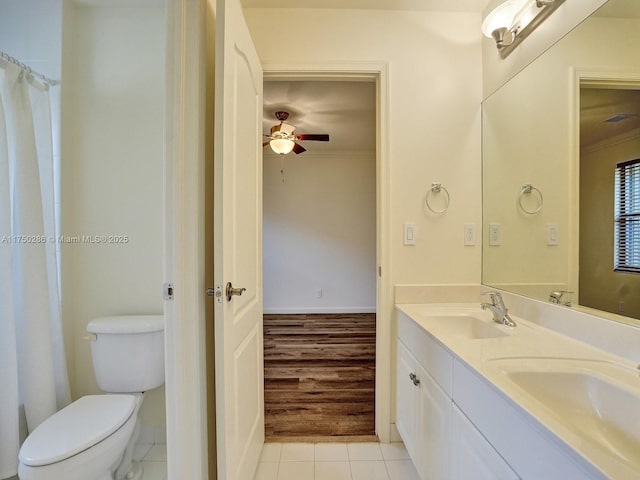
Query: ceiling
[344,110]
[415,5]
[597,105]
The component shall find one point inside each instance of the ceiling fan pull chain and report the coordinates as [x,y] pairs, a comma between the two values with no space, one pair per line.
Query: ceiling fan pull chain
[282,167]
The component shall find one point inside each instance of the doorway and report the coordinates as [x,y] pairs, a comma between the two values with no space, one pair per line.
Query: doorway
[320,262]
[608,171]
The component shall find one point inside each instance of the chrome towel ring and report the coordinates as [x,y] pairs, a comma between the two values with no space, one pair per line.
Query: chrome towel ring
[438,188]
[527,189]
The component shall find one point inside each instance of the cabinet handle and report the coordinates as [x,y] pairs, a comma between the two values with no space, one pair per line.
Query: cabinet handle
[414,379]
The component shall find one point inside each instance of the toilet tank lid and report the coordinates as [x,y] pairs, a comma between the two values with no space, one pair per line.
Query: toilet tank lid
[126,324]
[75,428]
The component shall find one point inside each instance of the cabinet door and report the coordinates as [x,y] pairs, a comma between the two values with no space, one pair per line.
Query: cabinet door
[472,456]
[406,397]
[434,414]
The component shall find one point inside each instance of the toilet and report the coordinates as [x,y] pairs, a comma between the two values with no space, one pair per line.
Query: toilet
[93,438]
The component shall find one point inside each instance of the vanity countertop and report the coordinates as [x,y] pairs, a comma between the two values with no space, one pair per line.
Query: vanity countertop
[563,385]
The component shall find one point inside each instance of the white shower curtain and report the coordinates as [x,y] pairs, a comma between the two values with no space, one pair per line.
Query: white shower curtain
[33,376]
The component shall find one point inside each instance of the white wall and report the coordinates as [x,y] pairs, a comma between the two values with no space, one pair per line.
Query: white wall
[112,177]
[31,31]
[320,233]
[434,99]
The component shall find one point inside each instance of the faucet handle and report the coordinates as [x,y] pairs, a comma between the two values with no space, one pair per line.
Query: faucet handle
[556,296]
[494,296]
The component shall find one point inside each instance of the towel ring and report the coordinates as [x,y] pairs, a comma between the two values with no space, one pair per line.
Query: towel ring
[437,188]
[527,188]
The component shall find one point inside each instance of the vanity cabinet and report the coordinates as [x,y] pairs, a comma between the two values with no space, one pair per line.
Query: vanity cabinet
[530,450]
[471,455]
[441,441]
[423,419]
[457,425]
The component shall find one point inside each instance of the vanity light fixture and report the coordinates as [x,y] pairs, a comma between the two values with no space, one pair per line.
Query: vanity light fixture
[511,21]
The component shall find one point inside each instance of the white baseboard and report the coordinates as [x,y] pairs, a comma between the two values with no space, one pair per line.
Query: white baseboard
[301,310]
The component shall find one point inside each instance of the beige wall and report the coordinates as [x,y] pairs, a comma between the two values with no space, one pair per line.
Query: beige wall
[112,180]
[600,286]
[320,232]
[434,99]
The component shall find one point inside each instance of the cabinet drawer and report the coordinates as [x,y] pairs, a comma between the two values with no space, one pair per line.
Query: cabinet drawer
[434,358]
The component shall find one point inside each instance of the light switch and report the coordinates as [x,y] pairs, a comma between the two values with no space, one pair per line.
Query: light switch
[552,234]
[409,233]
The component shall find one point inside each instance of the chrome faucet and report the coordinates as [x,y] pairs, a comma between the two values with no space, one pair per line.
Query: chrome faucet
[556,297]
[497,307]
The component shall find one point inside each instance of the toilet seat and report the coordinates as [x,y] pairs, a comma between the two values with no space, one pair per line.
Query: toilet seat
[75,428]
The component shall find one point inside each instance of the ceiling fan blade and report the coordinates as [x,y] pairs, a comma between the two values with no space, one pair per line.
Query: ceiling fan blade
[322,137]
[266,143]
[297,148]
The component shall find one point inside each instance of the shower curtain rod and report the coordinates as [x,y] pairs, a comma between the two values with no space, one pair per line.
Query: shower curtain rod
[28,69]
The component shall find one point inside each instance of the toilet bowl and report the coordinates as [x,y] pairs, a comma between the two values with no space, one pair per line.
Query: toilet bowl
[84,441]
[93,438]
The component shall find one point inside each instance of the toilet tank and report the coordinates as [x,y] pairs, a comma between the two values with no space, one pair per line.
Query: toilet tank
[128,352]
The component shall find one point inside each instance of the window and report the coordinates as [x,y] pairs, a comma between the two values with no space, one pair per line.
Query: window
[627,217]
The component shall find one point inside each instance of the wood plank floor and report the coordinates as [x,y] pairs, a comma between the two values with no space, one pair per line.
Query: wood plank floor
[319,375]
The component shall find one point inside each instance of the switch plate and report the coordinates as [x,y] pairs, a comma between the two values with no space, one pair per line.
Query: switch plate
[409,233]
[552,234]
[495,234]
[469,233]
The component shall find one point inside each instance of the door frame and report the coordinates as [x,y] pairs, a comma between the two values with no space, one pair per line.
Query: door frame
[184,165]
[377,72]
[585,77]
[183,240]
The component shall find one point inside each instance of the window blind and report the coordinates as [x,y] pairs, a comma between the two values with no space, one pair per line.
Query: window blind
[627,217]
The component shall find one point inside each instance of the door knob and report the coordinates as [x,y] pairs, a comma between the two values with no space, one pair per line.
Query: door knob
[233,291]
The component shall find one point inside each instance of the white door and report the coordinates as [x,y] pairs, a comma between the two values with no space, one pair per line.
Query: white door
[238,246]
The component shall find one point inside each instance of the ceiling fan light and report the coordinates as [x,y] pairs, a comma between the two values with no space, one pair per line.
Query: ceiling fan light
[281,146]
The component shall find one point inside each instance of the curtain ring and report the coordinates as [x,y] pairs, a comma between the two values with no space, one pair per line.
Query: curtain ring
[527,188]
[437,188]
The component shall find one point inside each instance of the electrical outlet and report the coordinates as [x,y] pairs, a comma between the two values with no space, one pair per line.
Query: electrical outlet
[469,233]
[495,234]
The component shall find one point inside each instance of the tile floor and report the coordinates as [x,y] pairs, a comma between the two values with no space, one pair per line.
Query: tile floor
[153,459]
[335,461]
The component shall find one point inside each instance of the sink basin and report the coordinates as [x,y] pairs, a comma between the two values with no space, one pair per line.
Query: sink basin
[597,401]
[467,326]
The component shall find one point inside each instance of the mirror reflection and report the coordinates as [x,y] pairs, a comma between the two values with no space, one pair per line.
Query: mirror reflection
[553,137]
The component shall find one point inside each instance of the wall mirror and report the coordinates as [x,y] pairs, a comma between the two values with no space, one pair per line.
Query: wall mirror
[552,137]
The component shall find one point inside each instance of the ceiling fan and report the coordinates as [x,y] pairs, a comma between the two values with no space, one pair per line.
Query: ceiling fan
[283,140]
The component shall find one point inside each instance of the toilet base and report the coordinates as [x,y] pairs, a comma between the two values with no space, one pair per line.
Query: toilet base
[136,472]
